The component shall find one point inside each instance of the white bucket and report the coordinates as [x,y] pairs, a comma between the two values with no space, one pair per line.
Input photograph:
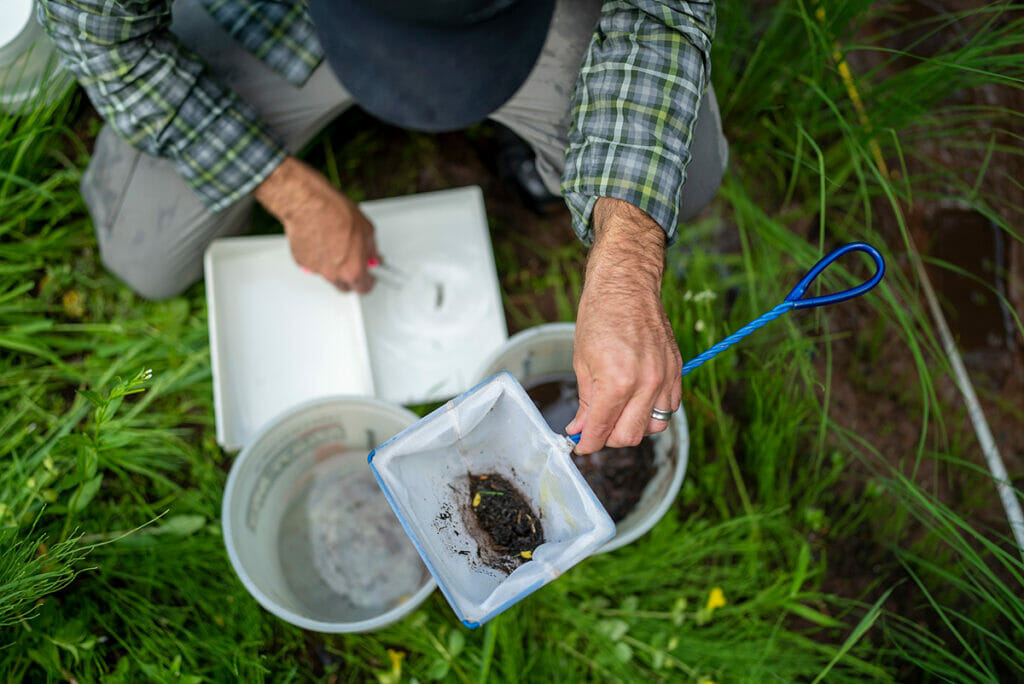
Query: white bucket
[29,69]
[306,527]
[547,349]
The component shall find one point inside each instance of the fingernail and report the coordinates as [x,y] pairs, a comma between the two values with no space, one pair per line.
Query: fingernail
[306,270]
[372,262]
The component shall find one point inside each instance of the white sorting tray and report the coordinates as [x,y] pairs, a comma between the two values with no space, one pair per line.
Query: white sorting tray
[279,337]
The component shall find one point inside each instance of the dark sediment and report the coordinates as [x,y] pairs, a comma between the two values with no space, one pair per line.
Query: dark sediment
[511,527]
[618,476]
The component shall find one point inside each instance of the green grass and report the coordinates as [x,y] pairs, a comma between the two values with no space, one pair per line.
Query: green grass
[111,560]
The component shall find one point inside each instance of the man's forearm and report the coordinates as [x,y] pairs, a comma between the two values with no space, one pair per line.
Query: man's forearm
[627,241]
[283,191]
[625,357]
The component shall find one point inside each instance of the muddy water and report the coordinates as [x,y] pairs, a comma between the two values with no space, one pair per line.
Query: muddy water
[618,476]
[970,243]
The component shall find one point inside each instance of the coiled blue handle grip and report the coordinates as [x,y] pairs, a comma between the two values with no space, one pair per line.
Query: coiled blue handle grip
[794,300]
[801,287]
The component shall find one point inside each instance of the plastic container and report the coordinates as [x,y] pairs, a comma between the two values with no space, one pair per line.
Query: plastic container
[305,526]
[279,336]
[493,429]
[546,350]
[29,70]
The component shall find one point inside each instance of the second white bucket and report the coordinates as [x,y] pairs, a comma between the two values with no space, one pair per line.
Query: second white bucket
[30,73]
[547,349]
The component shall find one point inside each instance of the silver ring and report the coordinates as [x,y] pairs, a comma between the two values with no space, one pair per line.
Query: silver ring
[658,414]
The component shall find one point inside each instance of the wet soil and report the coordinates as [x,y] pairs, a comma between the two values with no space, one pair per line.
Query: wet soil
[618,476]
[510,527]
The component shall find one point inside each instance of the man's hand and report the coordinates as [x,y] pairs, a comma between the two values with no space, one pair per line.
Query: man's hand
[326,231]
[626,359]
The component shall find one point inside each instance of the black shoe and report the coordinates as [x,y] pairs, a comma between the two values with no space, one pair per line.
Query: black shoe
[517,164]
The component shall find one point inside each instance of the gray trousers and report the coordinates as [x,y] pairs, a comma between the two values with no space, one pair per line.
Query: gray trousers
[152,230]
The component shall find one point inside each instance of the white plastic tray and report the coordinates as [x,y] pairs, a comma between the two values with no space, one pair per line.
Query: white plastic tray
[279,336]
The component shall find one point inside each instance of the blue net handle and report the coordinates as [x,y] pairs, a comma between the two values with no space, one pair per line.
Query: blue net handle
[794,300]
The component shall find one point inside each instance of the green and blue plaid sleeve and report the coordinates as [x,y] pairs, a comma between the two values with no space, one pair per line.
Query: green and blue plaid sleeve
[634,109]
[160,97]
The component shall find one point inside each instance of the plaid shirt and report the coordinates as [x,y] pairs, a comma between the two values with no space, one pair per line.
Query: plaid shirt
[633,109]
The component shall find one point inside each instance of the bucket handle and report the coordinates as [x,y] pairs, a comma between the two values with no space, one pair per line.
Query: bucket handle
[794,300]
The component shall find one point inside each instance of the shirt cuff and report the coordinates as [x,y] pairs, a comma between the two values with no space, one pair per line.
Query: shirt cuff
[649,179]
[229,150]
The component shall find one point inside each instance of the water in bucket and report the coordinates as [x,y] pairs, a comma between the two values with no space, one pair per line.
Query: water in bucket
[332,566]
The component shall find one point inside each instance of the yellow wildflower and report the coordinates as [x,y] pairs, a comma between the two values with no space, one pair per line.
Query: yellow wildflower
[716,599]
[73,304]
[396,658]
[526,554]
[395,675]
